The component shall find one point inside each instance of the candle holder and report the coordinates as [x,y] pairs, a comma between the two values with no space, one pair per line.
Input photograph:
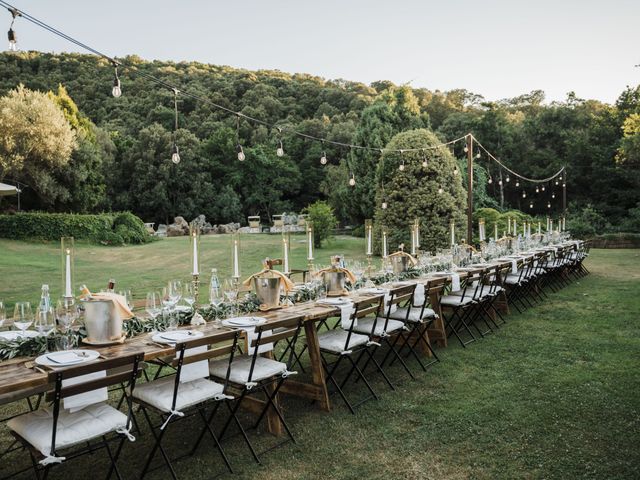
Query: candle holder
[310,266]
[67,250]
[286,252]
[195,281]
[235,256]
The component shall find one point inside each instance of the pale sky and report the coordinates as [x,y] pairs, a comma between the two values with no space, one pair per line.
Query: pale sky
[497,48]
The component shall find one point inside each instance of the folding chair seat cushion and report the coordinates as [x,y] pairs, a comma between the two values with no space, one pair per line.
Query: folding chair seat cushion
[159,393]
[416,315]
[365,325]
[334,340]
[513,279]
[91,422]
[455,300]
[241,367]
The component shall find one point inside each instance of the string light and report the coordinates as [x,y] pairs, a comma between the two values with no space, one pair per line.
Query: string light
[323,159]
[240,152]
[478,155]
[280,149]
[440,189]
[425,164]
[175,152]
[352,180]
[537,189]
[116,91]
[455,170]
[553,195]
[509,179]
[548,204]
[542,188]
[500,182]
[466,149]
[531,205]
[401,167]
[524,194]
[11,34]
[490,181]
[517,183]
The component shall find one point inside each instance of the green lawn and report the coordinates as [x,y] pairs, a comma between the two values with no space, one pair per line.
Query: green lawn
[25,266]
[554,394]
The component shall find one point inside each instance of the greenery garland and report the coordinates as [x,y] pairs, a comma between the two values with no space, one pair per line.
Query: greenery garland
[34,346]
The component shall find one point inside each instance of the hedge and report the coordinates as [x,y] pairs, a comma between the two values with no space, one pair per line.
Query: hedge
[105,228]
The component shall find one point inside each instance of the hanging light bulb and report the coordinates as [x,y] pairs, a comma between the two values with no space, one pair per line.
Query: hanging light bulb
[440,189]
[116,91]
[455,170]
[556,181]
[537,189]
[240,153]
[175,154]
[384,205]
[466,149]
[542,188]
[564,185]
[323,159]
[490,181]
[352,181]
[517,183]
[548,204]
[425,164]
[508,179]
[280,149]
[524,194]
[531,205]
[402,166]
[11,34]
[478,155]
[553,195]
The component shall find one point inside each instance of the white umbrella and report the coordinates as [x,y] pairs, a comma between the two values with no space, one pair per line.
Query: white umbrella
[8,190]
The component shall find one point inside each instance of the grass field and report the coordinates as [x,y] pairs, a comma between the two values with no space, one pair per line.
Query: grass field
[25,266]
[554,394]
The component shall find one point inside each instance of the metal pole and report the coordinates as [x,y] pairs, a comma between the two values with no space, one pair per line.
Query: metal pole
[469,188]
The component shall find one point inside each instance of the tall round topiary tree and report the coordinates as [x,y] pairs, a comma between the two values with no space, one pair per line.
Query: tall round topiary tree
[414,192]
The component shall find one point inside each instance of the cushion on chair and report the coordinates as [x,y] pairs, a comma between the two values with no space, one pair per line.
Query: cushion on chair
[263,369]
[365,326]
[334,340]
[414,314]
[159,393]
[91,422]
[455,300]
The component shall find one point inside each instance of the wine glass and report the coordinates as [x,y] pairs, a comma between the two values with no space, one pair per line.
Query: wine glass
[45,323]
[3,313]
[22,316]
[127,297]
[175,291]
[231,293]
[66,314]
[154,304]
[189,294]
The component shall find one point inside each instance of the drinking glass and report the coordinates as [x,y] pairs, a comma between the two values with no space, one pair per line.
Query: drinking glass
[188,294]
[170,318]
[175,291]
[45,323]
[22,316]
[231,293]
[127,297]
[3,313]
[154,304]
[66,313]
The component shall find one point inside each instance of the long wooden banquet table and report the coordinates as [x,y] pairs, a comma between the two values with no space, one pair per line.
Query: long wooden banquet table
[20,378]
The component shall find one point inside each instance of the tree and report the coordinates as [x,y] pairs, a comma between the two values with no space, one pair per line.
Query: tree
[629,150]
[414,192]
[36,140]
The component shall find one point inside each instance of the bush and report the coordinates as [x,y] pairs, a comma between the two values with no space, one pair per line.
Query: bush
[106,228]
[586,223]
[323,220]
[358,231]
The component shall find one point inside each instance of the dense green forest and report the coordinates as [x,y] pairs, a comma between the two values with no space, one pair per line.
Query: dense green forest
[121,152]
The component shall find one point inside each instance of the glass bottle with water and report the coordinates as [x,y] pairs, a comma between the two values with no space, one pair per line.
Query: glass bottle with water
[215,289]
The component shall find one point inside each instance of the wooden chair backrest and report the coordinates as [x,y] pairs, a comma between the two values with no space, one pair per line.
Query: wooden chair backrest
[219,343]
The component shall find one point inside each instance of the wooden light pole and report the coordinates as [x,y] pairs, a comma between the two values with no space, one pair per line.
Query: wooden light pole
[469,188]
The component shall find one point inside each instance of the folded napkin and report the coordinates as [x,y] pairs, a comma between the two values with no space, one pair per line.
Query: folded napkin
[351,278]
[514,266]
[346,310]
[455,282]
[118,301]
[400,253]
[285,283]
[418,295]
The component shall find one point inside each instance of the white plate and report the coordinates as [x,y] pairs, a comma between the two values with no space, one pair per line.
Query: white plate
[376,291]
[334,301]
[67,358]
[243,322]
[15,334]
[174,336]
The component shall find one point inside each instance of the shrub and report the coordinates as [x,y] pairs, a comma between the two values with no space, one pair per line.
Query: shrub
[358,231]
[586,223]
[323,220]
[106,228]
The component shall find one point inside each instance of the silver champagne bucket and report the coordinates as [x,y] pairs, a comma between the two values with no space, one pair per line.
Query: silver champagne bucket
[399,263]
[334,282]
[267,290]
[102,321]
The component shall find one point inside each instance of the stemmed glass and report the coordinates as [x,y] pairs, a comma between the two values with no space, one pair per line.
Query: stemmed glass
[45,323]
[175,291]
[66,314]
[231,293]
[3,313]
[127,297]
[22,316]
[154,305]
[188,294]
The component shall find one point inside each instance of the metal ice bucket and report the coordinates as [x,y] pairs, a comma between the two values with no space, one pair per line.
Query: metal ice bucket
[267,290]
[334,282]
[102,321]
[399,263]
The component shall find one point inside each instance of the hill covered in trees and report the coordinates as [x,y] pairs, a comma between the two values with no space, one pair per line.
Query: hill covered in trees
[122,146]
